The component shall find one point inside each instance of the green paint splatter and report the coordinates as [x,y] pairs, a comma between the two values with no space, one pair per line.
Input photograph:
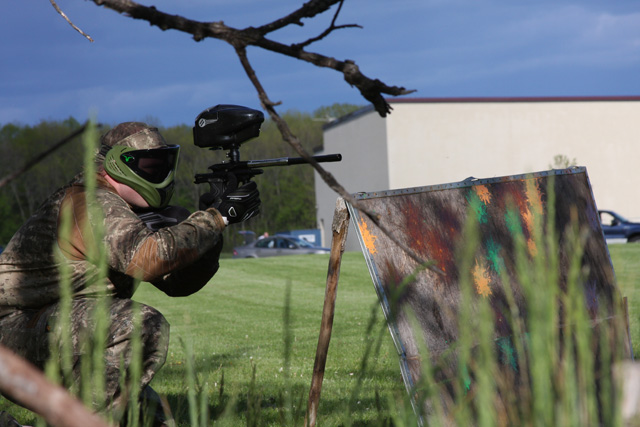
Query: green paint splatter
[493,255]
[507,352]
[512,219]
[478,207]
[466,379]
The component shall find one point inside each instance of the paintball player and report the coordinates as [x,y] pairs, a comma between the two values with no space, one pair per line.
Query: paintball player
[135,177]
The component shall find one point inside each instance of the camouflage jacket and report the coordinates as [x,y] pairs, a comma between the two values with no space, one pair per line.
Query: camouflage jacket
[179,259]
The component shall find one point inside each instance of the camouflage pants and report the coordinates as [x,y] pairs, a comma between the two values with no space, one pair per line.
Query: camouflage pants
[29,334]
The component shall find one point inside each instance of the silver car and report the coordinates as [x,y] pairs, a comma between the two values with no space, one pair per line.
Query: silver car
[277,245]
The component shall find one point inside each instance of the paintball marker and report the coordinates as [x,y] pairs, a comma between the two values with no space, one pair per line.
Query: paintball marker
[227,127]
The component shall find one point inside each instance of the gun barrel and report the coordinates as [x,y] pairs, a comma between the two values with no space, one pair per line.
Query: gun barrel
[286,161]
[250,168]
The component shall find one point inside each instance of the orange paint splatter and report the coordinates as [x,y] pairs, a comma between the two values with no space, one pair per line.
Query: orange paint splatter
[483,193]
[481,279]
[527,217]
[534,200]
[534,197]
[368,238]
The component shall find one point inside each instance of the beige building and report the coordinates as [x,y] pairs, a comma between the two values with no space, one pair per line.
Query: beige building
[436,141]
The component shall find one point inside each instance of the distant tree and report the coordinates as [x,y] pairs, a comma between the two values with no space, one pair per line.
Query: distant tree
[18,145]
[11,219]
[335,111]
[192,160]
[561,161]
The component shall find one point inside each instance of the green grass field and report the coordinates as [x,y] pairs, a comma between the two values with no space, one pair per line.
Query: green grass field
[626,262]
[253,333]
[237,323]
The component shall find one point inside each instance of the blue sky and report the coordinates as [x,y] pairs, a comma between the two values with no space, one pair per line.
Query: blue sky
[440,48]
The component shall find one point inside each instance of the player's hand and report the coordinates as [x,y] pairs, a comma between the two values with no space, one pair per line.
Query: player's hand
[241,204]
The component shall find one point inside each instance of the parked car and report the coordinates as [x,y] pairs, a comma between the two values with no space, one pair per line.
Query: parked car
[277,245]
[617,228]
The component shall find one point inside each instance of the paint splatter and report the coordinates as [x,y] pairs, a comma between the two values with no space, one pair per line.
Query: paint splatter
[368,238]
[512,220]
[430,231]
[493,255]
[414,226]
[534,197]
[483,193]
[479,208]
[536,208]
[527,216]
[481,279]
[507,352]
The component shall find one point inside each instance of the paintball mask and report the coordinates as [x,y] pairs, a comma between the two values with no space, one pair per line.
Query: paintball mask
[149,171]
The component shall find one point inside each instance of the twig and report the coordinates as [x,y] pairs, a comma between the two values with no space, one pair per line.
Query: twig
[328,31]
[55,6]
[328,178]
[308,10]
[324,34]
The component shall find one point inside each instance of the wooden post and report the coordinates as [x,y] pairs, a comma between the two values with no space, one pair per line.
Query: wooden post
[339,228]
[26,385]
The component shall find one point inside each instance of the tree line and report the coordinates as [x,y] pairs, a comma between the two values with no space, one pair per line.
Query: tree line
[287,193]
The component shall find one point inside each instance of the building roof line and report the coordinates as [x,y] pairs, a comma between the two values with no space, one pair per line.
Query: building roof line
[516,99]
[348,117]
[486,99]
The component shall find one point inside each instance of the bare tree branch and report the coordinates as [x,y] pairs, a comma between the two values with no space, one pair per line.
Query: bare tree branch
[55,6]
[324,34]
[308,10]
[328,31]
[26,385]
[328,178]
[371,89]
